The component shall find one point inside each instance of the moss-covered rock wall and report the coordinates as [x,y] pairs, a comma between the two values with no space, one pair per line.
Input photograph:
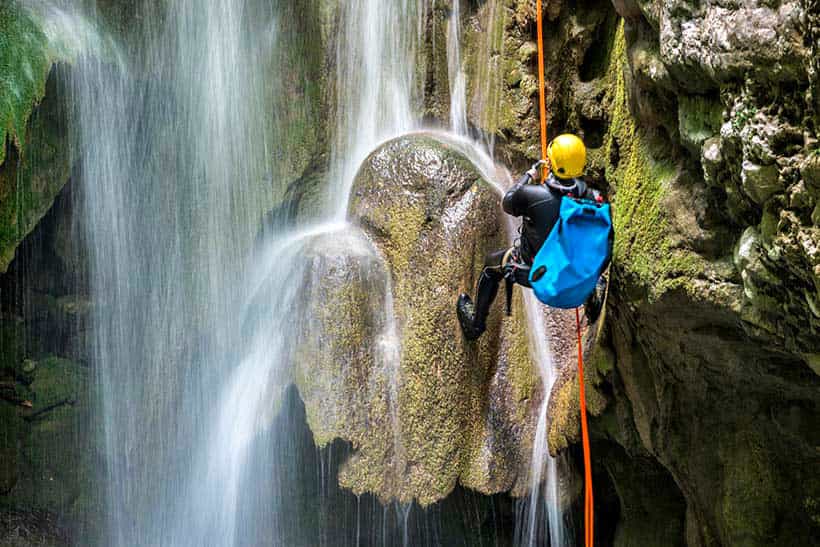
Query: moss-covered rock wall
[424,409]
[34,151]
[708,152]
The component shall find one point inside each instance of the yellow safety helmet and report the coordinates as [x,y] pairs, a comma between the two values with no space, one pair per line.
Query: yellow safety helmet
[567,155]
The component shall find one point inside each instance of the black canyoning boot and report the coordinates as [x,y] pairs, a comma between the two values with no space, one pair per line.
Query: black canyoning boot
[473,317]
[465,309]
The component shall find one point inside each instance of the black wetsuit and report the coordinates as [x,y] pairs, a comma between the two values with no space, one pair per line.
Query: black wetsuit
[540,207]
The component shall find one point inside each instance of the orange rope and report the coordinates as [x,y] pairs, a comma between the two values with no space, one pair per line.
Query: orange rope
[589,528]
[589,509]
[541,87]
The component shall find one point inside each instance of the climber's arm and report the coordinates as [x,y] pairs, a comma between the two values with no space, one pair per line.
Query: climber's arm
[515,200]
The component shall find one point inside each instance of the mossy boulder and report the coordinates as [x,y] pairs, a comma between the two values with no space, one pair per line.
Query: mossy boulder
[35,158]
[25,62]
[434,218]
[384,364]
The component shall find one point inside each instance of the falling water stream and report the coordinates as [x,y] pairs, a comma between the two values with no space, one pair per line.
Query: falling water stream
[194,327]
[455,71]
[172,159]
[377,84]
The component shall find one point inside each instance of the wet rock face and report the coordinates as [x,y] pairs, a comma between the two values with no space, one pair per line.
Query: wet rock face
[703,118]
[710,153]
[422,407]
[48,456]
[499,53]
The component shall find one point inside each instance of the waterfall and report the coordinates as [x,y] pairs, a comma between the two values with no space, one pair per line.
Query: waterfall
[544,469]
[223,502]
[172,149]
[378,89]
[455,71]
[195,322]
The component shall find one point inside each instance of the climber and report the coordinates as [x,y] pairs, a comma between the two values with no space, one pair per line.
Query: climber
[539,204]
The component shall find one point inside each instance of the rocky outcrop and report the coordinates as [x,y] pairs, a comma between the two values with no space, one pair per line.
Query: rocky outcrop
[702,120]
[499,53]
[707,140]
[423,408]
[34,156]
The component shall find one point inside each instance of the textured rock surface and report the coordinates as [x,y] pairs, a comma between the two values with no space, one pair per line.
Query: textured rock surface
[499,55]
[702,117]
[34,156]
[49,460]
[443,410]
[712,332]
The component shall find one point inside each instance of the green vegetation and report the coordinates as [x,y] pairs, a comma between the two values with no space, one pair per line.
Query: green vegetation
[29,184]
[39,163]
[643,248]
[24,66]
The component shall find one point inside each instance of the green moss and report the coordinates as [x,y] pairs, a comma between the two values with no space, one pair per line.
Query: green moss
[298,84]
[330,364]
[29,183]
[56,458]
[24,66]
[486,53]
[643,249]
[57,381]
[404,228]
[752,490]
[522,370]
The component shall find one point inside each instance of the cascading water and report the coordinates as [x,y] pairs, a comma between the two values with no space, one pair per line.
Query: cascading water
[172,169]
[376,88]
[544,469]
[193,327]
[545,481]
[378,92]
[455,70]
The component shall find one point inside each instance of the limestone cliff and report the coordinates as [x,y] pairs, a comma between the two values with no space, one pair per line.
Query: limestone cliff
[702,119]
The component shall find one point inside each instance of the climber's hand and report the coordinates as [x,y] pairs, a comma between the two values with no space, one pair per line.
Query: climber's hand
[535,171]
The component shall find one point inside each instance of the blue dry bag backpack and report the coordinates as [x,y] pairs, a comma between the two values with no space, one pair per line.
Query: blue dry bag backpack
[568,265]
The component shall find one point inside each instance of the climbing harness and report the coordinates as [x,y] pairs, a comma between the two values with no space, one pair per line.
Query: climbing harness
[588,495]
[515,272]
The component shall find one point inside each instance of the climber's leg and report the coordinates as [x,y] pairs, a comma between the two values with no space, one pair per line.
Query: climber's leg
[473,317]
